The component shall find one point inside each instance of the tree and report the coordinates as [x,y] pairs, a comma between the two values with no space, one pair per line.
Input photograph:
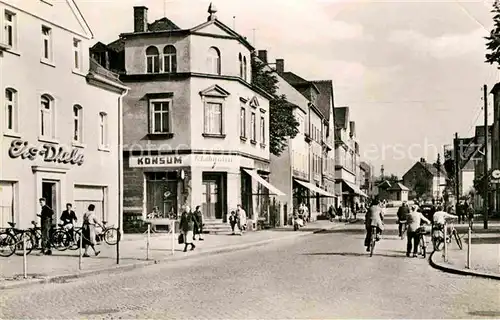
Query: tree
[421,187]
[282,122]
[493,44]
[393,178]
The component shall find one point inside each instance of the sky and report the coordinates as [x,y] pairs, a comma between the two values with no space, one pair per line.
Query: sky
[411,72]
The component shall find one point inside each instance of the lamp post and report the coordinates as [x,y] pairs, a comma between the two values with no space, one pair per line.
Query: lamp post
[438,164]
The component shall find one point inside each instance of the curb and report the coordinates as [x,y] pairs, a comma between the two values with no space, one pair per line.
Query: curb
[141,264]
[460,271]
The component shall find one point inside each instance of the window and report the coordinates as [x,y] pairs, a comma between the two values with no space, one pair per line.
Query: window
[47,123]
[7,203]
[152,60]
[245,68]
[103,129]
[243,120]
[213,61]
[160,116]
[213,118]
[11,110]
[241,65]
[46,43]
[169,59]
[262,130]
[77,54]
[77,123]
[10,29]
[253,130]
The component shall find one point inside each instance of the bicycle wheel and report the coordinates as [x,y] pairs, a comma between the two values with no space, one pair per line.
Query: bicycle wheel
[30,245]
[457,239]
[60,240]
[75,244]
[111,236]
[373,240]
[7,244]
[423,246]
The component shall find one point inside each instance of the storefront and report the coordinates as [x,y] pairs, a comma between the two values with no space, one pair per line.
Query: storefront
[217,183]
[304,191]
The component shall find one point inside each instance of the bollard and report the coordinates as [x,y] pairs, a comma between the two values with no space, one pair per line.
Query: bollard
[118,247]
[173,236]
[445,251]
[80,250]
[25,262]
[469,248]
[147,241]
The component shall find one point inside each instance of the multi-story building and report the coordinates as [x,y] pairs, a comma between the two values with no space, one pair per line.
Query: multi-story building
[317,134]
[367,184]
[60,115]
[346,159]
[478,160]
[196,129]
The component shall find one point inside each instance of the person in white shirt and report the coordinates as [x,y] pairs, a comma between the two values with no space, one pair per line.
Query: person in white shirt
[440,216]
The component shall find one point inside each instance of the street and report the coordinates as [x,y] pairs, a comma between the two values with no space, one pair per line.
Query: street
[326,275]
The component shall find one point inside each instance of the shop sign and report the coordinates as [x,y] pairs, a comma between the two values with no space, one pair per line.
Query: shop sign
[158,161]
[48,152]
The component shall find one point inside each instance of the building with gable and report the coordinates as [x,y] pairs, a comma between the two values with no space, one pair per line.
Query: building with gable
[196,129]
[425,181]
[60,116]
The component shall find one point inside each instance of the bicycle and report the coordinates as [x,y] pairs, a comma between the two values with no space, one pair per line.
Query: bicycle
[422,244]
[438,237]
[13,238]
[58,238]
[109,234]
[373,240]
[454,233]
[404,229]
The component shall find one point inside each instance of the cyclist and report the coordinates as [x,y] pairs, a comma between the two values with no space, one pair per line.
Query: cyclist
[439,219]
[68,218]
[402,212]
[373,218]
[413,221]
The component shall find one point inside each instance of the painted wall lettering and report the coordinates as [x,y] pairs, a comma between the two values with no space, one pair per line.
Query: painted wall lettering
[49,152]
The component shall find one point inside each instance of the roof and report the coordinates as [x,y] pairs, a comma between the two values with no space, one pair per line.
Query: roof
[399,186]
[96,68]
[432,169]
[293,79]
[81,19]
[117,45]
[341,116]
[325,97]
[384,183]
[163,24]
[365,166]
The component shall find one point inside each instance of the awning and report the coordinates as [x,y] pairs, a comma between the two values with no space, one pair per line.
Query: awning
[272,189]
[355,189]
[313,188]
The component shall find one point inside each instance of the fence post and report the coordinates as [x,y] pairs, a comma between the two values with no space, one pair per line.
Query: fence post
[173,236]
[147,242]
[469,248]
[445,251]
[80,251]
[25,262]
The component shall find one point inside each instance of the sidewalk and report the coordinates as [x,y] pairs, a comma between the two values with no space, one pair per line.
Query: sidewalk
[62,265]
[485,255]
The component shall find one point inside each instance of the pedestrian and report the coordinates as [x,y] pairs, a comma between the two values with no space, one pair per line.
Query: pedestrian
[413,221]
[46,215]
[88,231]
[347,213]
[241,219]
[402,212]
[339,212]
[469,211]
[232,221]
[198,216]
[68,218]
[331,212]
[187,227]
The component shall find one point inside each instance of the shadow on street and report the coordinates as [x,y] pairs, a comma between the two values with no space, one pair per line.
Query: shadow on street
[354,254]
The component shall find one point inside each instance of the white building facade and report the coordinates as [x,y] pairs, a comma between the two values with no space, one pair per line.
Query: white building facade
[60,115]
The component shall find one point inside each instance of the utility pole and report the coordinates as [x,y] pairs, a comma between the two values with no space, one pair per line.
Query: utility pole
[458,157]
[438,165]
[486,175]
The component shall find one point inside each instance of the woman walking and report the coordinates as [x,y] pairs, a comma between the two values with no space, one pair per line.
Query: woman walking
[88,231]
[187,228]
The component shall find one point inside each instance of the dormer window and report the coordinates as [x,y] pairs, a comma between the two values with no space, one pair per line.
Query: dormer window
[152,60]
[213,61]
[169,59]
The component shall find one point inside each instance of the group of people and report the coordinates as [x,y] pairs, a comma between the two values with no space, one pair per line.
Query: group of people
[69,219]
[347,213]
[191,225]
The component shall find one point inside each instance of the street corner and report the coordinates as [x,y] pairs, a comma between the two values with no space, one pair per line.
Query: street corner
[435,260]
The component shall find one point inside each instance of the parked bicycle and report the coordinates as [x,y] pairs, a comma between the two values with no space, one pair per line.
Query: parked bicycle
[58,239]
[12,241]
[109,234]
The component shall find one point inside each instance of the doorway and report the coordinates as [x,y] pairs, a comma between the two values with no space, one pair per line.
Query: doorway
[49,192]
[213,195]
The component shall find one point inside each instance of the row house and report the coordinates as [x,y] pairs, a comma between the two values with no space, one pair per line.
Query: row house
[196,129]
[367,182]
[304,167]
[60,115]
[316,187]
[347,159]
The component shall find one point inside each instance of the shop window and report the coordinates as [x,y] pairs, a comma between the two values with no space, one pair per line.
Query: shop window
[161,193]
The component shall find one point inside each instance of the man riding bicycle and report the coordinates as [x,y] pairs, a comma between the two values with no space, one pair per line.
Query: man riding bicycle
[402,212]
[439,219]
[373,218]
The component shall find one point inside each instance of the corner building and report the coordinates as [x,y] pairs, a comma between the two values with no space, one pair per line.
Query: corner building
[196,130]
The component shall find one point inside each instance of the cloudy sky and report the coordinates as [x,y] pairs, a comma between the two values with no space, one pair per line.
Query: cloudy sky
[410,71]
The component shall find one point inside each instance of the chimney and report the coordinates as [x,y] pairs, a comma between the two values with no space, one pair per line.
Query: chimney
[280,66]
[262,54]
[422,160]
[140,19]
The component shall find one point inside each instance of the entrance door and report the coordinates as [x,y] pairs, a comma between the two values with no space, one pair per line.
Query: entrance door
[49,192]
[211,199]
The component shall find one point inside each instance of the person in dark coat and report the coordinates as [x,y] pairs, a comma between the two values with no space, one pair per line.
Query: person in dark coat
[403,211]
[198,230]
[187,227]
[46,224]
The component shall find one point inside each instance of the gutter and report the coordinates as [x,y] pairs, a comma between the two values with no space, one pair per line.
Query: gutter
[109,82]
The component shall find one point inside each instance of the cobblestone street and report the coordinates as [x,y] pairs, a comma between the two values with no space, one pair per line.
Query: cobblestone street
[326,275]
